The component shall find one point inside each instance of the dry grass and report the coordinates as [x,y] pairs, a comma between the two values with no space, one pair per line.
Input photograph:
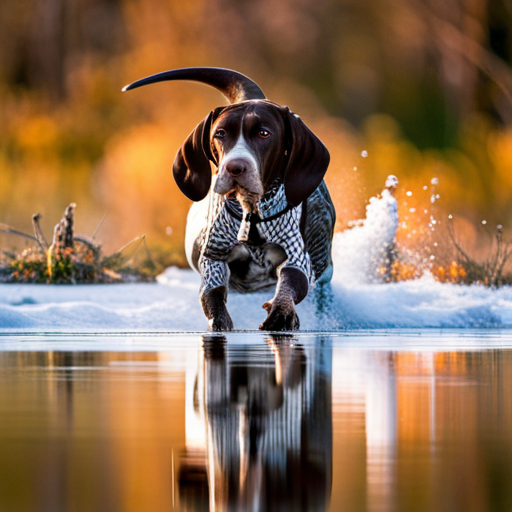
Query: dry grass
[493,271]
[456,265]
[72,259]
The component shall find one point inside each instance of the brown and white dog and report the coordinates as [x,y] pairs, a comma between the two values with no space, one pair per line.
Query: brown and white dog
[262,213]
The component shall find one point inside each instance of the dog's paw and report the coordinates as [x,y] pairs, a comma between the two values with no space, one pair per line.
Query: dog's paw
[281,317]
[220,323]
[214,307]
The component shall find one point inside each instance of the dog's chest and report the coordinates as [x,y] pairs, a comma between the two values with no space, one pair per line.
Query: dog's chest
[278,225]
[252,267]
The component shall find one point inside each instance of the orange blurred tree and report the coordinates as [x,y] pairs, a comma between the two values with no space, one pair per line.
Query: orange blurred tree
[436,73]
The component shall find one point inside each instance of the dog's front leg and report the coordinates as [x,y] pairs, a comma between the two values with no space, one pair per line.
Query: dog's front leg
[214,307]
[292,287]
[214,294]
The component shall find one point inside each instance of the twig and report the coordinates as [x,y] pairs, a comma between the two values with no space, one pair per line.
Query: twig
[142,241]
[9,254]
[505,254]
[148,254]
[99,225]
[86,242]
[457,246]
[39,232]
[119,252]
[11,231]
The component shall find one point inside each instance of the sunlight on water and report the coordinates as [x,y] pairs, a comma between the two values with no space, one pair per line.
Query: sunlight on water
[371,420]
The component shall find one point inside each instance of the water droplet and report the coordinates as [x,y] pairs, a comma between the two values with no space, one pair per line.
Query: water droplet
[450,216]
[484,222]
[412,210]
[437,196]
[425,211]
[435,244]
[425,187]
[168,230]
[499,226]
[434,181]
[408,193]
[433,199]
[354,169]
[364,153]
[432,258]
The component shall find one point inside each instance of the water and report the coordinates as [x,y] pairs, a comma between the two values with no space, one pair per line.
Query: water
[393,420]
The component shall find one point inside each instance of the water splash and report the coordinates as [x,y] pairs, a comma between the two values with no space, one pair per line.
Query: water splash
[364,253]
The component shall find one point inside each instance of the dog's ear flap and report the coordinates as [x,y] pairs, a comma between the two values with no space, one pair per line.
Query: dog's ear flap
[191,167]
[308,161]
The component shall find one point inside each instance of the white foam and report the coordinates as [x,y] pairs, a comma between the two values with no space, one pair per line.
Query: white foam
[360,252]
[172,305]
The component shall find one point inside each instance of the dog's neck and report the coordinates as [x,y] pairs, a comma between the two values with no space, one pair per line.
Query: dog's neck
[274,200]
[272,205]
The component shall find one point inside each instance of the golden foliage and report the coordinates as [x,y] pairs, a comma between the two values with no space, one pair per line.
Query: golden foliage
[454,273]
[113,152]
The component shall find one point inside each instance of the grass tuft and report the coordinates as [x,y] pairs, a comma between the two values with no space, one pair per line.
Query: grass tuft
[72,259]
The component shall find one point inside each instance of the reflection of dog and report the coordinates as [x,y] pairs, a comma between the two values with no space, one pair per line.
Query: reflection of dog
[267,417]
[268,216]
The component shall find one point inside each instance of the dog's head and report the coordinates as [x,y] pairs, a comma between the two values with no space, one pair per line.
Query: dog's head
[248,144]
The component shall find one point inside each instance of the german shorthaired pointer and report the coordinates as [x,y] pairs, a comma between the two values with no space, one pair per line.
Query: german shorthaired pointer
[266,216]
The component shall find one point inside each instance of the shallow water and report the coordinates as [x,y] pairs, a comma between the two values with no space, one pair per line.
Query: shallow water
[394,420]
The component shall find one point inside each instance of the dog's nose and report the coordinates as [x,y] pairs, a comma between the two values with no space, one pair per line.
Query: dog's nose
[236,167]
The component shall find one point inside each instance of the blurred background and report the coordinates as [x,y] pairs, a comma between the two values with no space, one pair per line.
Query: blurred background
[417,88]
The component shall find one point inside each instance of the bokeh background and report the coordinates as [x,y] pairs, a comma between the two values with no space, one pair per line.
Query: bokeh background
[417,88]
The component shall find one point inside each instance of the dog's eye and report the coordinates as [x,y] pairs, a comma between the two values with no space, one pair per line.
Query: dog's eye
[220,133]
[264,134]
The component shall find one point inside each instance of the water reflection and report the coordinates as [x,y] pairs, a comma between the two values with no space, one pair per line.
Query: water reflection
[422,431]
[381,433]
[255,423]
[266,421]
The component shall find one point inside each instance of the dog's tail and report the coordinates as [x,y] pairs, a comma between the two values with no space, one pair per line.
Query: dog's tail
[235,86]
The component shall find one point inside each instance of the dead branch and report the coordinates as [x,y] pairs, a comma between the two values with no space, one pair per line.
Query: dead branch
[12,231]
[38,232]
[99,225]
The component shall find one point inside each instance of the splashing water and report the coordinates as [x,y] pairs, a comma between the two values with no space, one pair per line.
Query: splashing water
[363,254]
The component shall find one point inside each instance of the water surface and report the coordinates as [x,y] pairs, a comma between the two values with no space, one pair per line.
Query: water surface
[357,421]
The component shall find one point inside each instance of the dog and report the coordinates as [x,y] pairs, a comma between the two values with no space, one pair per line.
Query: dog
[262,215]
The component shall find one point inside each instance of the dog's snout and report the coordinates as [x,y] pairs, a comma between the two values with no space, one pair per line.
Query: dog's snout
[236,167]
[239,167]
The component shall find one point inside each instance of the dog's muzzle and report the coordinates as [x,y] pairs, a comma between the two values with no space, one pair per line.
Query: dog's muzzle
[239,169]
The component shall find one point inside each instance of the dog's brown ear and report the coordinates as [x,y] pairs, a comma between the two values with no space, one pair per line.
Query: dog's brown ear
[308,161]
[191,167]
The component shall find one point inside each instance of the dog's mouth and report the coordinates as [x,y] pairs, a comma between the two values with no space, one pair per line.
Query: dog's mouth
[249,201]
